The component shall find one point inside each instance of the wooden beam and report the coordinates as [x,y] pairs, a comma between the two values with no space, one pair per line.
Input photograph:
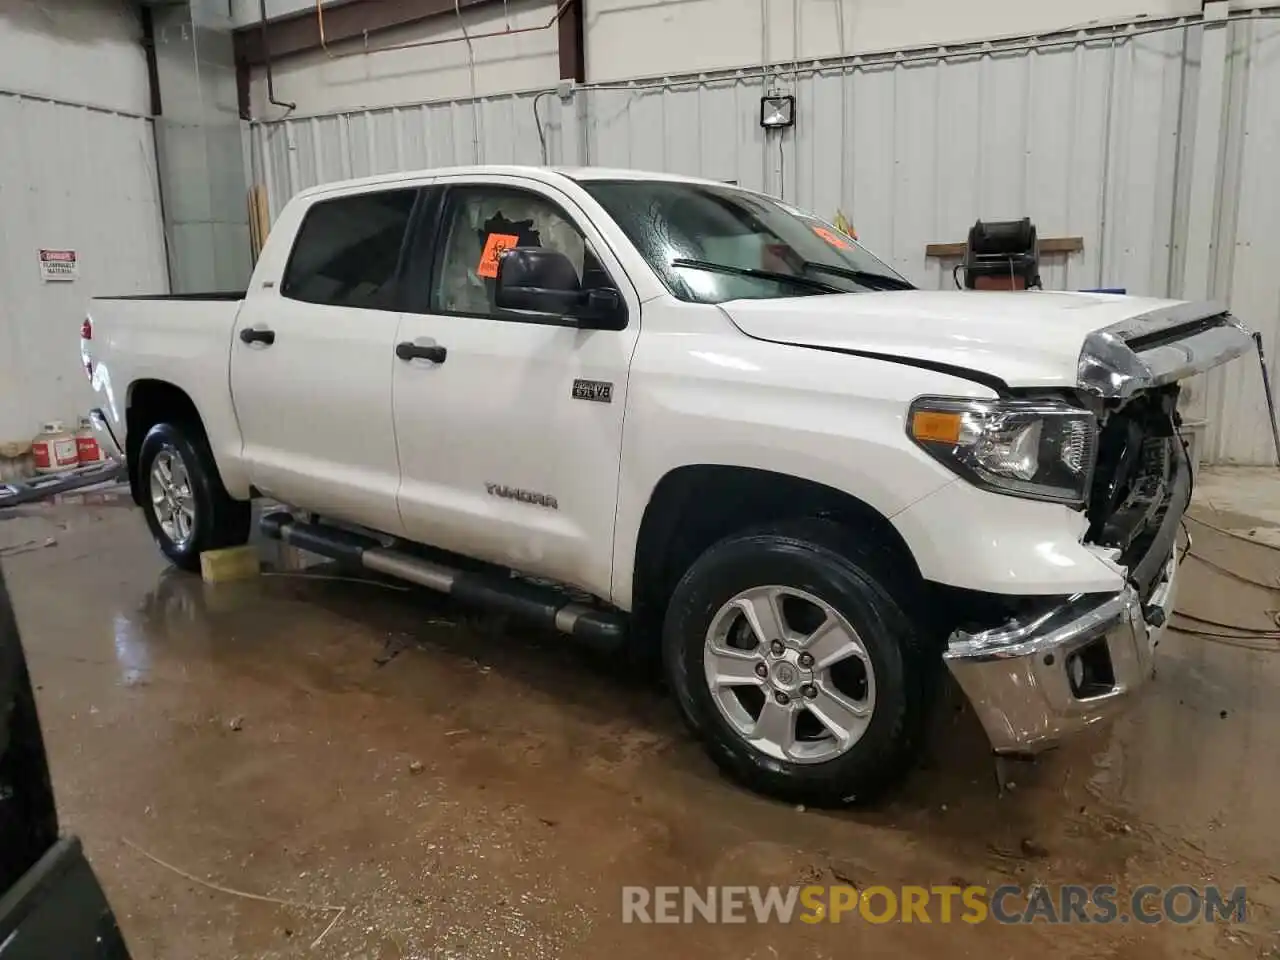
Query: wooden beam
[299,32]
[572,53]
[1047,245]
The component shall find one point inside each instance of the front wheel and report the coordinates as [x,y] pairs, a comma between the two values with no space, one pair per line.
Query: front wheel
[795,664]
[188,510]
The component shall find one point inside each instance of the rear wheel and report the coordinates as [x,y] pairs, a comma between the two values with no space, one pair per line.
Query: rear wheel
[188,510]
[795,664]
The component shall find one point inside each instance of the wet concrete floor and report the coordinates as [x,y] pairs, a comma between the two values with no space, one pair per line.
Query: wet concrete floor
[466,789]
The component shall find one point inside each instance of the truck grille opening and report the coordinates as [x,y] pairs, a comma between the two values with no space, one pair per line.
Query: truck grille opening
[1133,484]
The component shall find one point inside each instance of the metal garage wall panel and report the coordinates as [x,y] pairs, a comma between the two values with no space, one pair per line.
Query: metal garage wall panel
[70,178]
[914,153]
[292,155]
[1080,135]
[1246,271]
[708,128]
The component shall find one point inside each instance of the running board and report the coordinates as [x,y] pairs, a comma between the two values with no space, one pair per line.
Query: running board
[599,629]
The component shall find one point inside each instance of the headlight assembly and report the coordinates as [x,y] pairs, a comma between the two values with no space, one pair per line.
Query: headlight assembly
[1041,450]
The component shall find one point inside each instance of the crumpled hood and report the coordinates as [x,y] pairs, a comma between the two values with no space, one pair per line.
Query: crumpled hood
[1026,339]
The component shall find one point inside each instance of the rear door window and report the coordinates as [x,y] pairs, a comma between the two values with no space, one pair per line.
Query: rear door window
[347,251]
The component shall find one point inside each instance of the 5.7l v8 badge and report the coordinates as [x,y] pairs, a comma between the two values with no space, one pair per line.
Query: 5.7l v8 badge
[601,391]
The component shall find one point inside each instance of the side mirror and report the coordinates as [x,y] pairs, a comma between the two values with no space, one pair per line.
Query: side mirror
[544,281]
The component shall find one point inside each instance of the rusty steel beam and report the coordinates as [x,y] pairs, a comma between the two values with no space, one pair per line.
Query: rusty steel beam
[573,61]
[149,51]
[343,20]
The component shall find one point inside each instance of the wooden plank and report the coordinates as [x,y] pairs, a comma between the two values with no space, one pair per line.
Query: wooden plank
[1061,245]
[259,220]
[255,247]
[1047,245]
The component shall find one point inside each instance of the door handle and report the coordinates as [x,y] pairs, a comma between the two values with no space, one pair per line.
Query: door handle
[254,335]
[412,351]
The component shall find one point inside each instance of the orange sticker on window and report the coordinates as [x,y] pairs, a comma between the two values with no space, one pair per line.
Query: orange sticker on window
[831,237]
[494,248]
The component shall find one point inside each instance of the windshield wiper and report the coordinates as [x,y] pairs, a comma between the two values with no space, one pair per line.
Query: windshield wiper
[809,283]
[868,278]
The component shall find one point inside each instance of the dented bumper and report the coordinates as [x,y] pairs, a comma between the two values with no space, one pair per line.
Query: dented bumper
[1032,684]
[1035,680]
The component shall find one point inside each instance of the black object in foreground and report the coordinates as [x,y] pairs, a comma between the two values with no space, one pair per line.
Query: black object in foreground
[51,904]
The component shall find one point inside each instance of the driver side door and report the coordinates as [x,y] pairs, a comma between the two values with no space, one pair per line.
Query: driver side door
[509,425]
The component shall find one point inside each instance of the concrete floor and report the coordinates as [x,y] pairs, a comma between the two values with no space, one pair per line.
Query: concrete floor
[465,789]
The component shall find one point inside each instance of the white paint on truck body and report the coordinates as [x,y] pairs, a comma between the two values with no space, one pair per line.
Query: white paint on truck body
[330,420]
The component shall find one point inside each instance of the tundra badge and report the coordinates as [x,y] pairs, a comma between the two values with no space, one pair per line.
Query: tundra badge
[601,391]
[524,496]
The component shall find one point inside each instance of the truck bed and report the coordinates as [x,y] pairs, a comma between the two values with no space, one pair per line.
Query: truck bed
[184,341]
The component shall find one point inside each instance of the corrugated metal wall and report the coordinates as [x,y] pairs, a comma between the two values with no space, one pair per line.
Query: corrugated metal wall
[1081,136]
[70,178]
[1081,133]
[294,154]
[1246,271]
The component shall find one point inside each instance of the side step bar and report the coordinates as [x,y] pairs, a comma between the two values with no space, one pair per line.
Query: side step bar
[601,630]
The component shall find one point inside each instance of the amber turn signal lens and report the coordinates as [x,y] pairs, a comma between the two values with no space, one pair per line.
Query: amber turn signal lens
[936,425]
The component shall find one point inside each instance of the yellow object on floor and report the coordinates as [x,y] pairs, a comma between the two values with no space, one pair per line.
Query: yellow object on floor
[233,563]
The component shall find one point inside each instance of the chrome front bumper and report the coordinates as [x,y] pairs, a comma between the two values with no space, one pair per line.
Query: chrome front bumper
[1033,683]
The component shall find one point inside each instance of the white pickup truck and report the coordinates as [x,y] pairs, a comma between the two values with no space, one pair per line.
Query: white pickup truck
[677,418]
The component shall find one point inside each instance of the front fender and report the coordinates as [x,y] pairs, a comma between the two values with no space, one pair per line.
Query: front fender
[727,400]
[974,539]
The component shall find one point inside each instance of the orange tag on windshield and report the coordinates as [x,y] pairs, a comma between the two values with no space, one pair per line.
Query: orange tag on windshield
[832,238]
[494,248]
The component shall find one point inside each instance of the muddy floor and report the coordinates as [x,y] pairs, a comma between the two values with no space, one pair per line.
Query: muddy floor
[249,763]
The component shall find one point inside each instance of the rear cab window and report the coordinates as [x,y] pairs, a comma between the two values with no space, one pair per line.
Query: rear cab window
[347,250]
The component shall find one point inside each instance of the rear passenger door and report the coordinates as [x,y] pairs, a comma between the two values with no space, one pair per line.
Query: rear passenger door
[312,358]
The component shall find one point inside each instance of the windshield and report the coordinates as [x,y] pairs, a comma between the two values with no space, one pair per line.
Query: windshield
[710,244]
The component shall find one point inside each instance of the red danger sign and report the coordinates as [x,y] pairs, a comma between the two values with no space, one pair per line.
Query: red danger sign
[59,265]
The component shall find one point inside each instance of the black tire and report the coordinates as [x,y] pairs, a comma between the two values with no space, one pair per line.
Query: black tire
[220,521]
[827,561]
